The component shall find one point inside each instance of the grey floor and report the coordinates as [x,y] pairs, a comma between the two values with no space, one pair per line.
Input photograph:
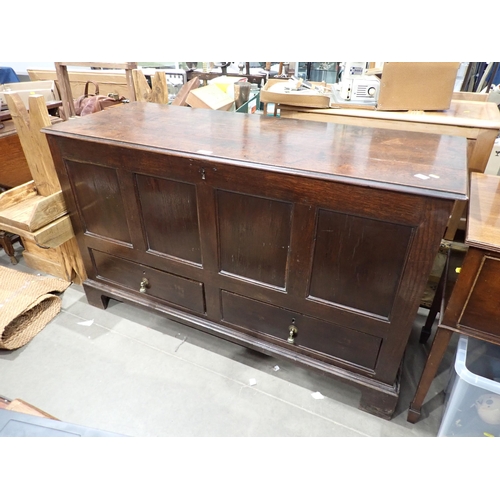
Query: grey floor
[128,371]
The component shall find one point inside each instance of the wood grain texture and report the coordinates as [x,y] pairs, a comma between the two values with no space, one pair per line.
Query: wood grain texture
[35,147]
[483,229]
[100,200]
[345,273]
[469,114]
[264,222]
[482,310]
[157,92]
[14,168]
[384,159]
[323,340]
[254,237]
[13,196]
[175,289]
[473,308]
[172,225]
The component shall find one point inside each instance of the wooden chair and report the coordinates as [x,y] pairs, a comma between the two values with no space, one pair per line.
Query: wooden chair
[65,87]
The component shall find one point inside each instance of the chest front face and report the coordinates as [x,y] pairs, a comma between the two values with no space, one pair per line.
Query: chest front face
[326,269]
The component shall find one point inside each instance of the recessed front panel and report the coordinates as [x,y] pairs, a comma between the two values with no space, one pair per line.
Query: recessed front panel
[358,262]
[99,200]
[170,217]
[254,237]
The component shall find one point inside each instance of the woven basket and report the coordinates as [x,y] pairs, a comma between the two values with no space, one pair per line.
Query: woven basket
[26,305]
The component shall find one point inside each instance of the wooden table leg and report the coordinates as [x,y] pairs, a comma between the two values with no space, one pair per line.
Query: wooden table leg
[436,354]
[6,240]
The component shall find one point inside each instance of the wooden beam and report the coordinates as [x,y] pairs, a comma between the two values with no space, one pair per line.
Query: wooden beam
[158,92]
[33,142]
[34,212]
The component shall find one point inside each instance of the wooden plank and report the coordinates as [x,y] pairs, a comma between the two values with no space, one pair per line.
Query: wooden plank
[54,234]
[33,142]
[22,407]
[34,212]
[469,96]
[17,194]
[109,65]
[61,261]
[142,88]
[108,82]
[180,98]
[65,91]
[49,236]
[65,87]
[158,92]
[461,114]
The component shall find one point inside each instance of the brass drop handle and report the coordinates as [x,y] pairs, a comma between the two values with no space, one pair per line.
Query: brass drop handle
[292,330]
[144,285]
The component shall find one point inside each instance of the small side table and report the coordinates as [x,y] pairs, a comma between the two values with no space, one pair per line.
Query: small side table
[473,308]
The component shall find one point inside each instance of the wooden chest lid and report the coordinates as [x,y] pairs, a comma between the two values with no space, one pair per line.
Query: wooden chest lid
[420,163]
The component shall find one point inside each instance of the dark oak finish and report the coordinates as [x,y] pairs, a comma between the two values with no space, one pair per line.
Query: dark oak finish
[171,223]
[473,307]
[341,252]
[303,240]
[254,237]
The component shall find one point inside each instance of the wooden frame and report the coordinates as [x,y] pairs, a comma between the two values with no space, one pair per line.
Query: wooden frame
[65,87]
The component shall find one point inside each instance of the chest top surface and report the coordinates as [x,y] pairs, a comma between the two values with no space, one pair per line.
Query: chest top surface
[483,223]
[415,162]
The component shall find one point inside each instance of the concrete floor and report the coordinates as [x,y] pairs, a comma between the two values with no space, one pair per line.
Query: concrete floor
[138,374]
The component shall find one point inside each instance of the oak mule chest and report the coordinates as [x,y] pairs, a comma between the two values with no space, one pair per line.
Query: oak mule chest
[303,240]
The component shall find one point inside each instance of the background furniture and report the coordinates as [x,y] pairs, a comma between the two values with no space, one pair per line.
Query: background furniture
[259,79]
[478,121]
[65,85]
[7,241]
[36,210]
[14,168]
[473,308]
[109,81]
[229,222]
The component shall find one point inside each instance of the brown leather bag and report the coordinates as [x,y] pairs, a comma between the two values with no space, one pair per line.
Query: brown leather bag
[92,103]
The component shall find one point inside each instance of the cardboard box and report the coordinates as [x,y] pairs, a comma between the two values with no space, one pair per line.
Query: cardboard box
[46,88]
[303,98]
[225,82]
[417,86]
[210,97]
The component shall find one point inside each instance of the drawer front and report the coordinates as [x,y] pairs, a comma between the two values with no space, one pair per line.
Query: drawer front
[161,285]
[482,310]
[328,341]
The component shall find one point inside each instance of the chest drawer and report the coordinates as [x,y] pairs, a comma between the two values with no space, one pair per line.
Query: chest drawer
[325,341]
[149,281]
